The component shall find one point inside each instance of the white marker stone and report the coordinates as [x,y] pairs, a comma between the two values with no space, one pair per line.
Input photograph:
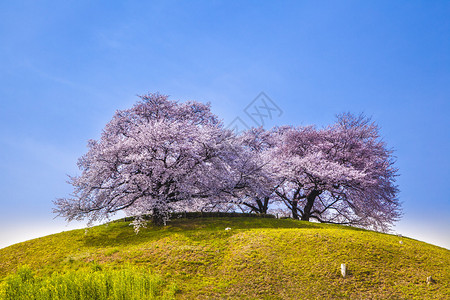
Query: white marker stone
[343,270]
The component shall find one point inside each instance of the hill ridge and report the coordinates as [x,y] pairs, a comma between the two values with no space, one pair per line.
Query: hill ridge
[256,258]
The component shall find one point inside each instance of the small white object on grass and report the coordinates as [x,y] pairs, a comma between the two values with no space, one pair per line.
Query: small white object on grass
[430,280]
[228,228]
[401,242]
[343,270]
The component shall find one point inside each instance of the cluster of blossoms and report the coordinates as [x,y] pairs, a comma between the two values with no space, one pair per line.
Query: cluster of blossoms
[162,156]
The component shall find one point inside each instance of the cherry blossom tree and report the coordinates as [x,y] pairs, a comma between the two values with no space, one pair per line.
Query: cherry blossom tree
[341,174]
[151,157]
[161,156]
[258,174]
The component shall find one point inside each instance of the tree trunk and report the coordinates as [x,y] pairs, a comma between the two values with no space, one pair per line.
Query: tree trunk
[263,206]
[294,210]
[309,205]
[266,205]
[158,217]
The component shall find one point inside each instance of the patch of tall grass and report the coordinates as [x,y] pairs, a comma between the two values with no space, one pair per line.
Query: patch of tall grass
[94,283]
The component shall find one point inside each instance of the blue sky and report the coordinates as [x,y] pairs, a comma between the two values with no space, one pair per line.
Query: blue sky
[66,66]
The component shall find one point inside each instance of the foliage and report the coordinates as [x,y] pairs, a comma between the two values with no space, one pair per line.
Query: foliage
[259,258]
[150,158]
[260,172]
[130,283]
[341,174]
[161,156]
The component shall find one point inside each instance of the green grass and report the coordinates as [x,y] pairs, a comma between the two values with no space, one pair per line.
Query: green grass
[259,258]
[127,283]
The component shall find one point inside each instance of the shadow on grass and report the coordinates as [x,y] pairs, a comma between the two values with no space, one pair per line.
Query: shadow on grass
[120,233]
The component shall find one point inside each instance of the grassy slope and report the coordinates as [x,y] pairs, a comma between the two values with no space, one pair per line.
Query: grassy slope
[257,258]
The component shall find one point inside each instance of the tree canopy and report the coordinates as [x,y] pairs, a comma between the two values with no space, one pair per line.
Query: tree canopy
[149,157]
[341,174]
[161,156]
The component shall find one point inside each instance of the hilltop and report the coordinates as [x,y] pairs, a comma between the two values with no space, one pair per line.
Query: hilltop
[256,258]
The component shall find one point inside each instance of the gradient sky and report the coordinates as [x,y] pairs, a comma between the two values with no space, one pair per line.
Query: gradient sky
[66,66]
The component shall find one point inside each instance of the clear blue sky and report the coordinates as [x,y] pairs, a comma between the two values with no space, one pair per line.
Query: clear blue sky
[66,66]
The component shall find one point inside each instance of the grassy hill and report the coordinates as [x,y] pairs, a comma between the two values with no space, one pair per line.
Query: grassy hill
[258,258]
